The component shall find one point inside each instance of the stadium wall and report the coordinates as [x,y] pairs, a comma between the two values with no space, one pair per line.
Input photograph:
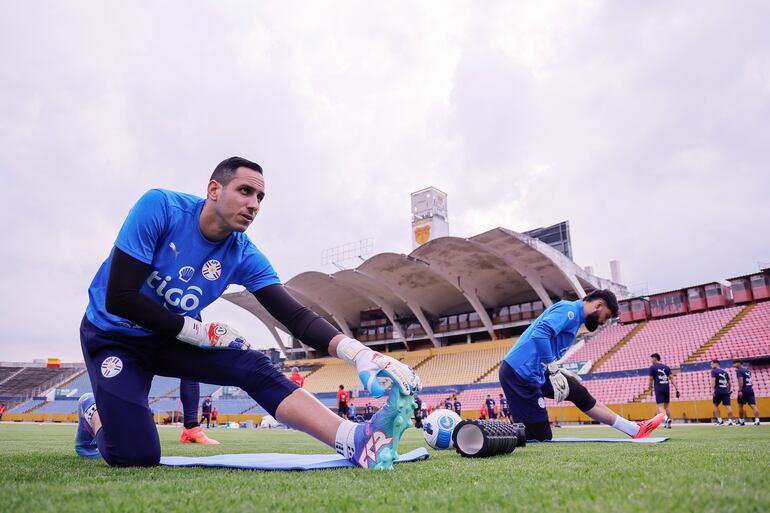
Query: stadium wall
[689,410]
[73,417]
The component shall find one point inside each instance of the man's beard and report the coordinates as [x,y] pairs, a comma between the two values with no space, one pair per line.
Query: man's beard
[592,322]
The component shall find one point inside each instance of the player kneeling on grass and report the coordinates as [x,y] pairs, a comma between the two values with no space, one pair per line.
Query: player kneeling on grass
[175,255]
[528,372]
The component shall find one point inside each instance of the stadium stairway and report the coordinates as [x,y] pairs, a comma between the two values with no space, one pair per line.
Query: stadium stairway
[623,341]
[253,408]
[167,395]
[490,371]
[721,333]
[426,360]
[38,406]
[63,384]
[13,375]
[310,372]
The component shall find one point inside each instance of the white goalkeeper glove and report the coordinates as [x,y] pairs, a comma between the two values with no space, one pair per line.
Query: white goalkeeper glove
[570,374]
[371,364]
[212,335]
[559,382]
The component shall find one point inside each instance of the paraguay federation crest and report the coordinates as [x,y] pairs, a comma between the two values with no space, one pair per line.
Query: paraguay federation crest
[111,366]
[212,270]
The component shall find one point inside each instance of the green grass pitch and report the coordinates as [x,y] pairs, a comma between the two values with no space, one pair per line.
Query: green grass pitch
[701,469]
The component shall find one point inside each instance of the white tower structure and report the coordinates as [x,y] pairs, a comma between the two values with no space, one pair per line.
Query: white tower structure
[615,271]
[430,219]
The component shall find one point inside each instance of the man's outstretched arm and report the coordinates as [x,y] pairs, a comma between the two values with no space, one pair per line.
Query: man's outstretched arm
[317,333]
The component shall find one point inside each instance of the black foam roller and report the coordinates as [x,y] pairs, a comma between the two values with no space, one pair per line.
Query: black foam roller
[483,438]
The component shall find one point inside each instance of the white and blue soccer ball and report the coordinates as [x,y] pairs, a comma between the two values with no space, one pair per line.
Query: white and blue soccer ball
[438,428]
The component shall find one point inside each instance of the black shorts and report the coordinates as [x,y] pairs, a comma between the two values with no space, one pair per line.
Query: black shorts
[662,396]
[747,398]
[722,398]
[342,409]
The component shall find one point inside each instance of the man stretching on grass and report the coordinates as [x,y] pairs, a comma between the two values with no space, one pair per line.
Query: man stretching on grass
[175,255]
[529,372]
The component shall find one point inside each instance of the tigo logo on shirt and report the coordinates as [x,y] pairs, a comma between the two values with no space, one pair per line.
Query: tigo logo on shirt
[175,296]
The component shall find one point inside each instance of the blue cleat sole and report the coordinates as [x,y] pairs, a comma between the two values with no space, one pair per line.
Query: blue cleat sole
[85,445]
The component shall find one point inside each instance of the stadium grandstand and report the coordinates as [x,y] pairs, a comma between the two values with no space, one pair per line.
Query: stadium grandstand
[613,363]
[448,291]
[452,308]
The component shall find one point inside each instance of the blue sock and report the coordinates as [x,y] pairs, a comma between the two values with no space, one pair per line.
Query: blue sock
[190,394]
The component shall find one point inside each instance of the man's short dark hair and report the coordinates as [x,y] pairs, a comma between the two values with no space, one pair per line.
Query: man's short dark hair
[225,170]
[607,296]
[738,361]
[715,361]
[656,356]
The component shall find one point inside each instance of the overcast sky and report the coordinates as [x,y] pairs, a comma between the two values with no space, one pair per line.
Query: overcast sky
[643,124]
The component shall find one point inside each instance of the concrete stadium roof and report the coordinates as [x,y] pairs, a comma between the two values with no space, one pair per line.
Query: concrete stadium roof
[445,276]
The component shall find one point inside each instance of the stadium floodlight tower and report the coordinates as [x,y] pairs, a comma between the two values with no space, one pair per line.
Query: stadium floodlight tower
[429,216]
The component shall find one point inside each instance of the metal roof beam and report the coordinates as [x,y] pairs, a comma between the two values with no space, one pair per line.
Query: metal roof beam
[413,305]
[382,304]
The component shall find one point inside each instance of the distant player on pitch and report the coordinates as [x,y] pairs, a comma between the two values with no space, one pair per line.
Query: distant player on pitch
[745,393]
[490,404]
[660,379]
[505,412]
[529,372]
[720,381]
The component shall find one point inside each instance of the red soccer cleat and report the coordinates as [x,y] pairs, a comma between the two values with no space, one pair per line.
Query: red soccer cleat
[196,436]
[648,426]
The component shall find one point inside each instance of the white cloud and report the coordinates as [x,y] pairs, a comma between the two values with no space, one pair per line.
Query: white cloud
[645,126]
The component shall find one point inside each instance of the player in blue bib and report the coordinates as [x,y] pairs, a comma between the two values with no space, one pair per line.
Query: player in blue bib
[745,392]
[720,381]
[174,255]
[458,406]
[660,379]
[490,404]
[505,412]
[529,371]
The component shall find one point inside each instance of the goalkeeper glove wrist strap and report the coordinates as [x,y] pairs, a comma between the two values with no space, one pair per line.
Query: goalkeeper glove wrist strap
[348,349]
[192,331]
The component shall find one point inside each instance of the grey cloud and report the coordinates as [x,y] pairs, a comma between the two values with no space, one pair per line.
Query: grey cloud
[645,126]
